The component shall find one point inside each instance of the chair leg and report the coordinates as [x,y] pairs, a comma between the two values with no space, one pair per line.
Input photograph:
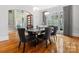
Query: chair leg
[54,38]
[19,44]
[35,43]
[46,44]
[24,48]
[49,40]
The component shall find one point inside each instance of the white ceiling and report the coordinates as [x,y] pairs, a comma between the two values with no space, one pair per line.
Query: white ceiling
[41,7]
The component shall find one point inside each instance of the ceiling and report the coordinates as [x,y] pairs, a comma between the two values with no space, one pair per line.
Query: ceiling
[41,7]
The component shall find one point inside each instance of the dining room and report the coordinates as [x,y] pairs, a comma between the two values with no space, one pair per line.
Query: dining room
[39,29]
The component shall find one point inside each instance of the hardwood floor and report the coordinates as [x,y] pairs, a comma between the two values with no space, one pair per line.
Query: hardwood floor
[63,43]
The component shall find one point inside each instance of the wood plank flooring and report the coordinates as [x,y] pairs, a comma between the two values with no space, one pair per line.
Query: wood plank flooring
[63,43]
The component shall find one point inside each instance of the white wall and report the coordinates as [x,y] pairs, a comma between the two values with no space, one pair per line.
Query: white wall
[38,15]
[4,18]
[75,21]
[37,18]
[53,11]
[3,24]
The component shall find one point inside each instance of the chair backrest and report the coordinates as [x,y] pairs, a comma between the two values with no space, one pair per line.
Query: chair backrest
[54,30]
[47,32]
[21,32]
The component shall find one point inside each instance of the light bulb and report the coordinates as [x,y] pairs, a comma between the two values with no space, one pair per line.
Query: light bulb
[46,13]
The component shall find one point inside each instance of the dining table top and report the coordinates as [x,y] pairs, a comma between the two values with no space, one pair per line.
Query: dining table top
[35,30]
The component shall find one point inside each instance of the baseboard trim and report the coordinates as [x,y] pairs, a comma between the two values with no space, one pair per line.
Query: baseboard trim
[75,34]
[3,38]
[72,36]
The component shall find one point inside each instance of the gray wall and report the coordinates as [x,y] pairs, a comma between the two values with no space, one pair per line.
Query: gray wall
[71,20]
[67,20]
[75,28]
